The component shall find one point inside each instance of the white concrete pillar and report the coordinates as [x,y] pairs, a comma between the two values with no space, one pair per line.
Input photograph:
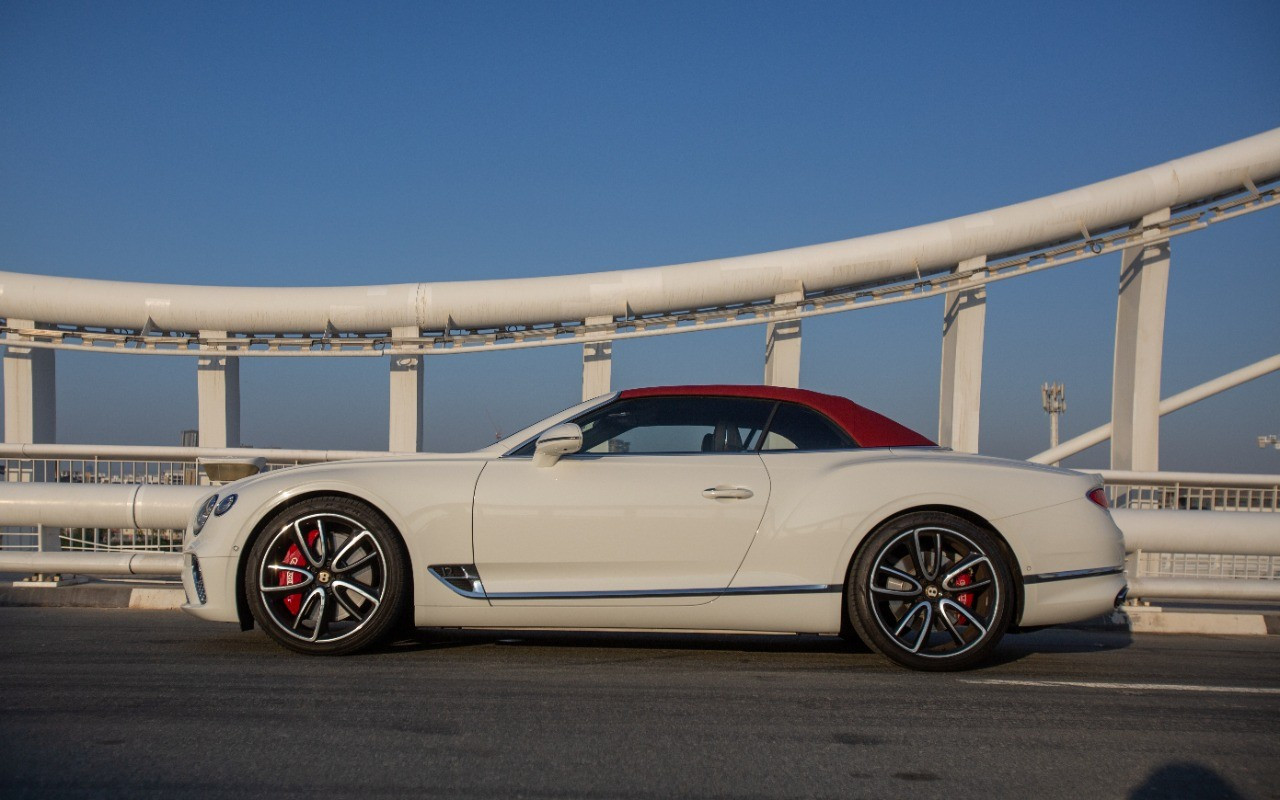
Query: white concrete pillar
[1135,387]
[597,363]
[30,417]
[782,347]
[964,321]
[218,395]
[404,428]
[30,392]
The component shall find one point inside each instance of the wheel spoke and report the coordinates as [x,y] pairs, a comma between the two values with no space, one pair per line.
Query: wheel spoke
[356,589]
[322,618]
[956,636]
[972,587]
[348,605]
[924,628]
[348,548]
[930,570]
[915,589]
[305,547]
[905,622]
[315,596]
[307,579]
[969,563]
[968,614]
[322,540]
[917,555]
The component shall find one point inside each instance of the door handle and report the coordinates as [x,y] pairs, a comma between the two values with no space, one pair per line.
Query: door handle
[727,493]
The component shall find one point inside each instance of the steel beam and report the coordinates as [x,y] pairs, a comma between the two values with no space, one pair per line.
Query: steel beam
[88,505]
[1248,533]
[452,305]
[964,321]
[1167,406]
[94,563]
[1238,589]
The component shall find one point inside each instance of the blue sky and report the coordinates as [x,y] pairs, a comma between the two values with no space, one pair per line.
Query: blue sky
[343,143]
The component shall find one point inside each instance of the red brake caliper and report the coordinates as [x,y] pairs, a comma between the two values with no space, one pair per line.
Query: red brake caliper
[965,599]
[294,558]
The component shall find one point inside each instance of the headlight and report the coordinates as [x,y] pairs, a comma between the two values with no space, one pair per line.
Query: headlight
[202,516]
[225,505]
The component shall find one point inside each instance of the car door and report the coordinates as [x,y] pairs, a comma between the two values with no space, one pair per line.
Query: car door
[659,506]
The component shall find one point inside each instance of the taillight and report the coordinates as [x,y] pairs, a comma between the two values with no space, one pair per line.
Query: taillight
[1098,496]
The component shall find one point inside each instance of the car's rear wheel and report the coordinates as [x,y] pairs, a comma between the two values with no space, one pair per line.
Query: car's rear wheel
[931,591]
[327,577]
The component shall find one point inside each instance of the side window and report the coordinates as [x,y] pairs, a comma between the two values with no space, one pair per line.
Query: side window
[795,427]
[673,425]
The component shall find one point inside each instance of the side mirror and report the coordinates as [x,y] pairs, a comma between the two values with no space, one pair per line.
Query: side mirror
[559,441]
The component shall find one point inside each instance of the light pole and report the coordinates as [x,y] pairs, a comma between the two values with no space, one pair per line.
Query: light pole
[1053,398]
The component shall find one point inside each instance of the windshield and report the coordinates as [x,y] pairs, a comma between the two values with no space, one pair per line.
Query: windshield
[528,432]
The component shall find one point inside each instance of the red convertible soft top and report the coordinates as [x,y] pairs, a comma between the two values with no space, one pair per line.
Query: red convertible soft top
[867,428]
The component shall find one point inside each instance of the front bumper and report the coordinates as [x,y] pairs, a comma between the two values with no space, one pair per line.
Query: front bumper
[218,578]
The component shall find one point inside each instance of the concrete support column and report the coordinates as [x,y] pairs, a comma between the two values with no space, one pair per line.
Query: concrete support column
[782,347]
[30,396]
[218,395]
[1135,387]
[404,432]
[964,320]
[30,417]
[597,363]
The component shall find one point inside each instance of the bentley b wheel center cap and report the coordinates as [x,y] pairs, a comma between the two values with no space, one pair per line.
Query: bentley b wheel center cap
[932,592]
[324,576]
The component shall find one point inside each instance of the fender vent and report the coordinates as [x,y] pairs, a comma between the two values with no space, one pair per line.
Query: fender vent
[462,578]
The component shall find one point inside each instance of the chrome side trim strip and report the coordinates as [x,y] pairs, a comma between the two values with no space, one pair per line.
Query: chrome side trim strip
[641,593]
[1071,574]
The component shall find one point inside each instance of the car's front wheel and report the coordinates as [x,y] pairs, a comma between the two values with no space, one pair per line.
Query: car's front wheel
[327,576]
[931,591]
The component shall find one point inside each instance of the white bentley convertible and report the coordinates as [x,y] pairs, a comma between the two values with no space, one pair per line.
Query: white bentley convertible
[695,508]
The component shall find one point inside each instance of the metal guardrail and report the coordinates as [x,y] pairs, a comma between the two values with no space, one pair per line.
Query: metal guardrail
[1175,555]
[1192,491]
[128,466]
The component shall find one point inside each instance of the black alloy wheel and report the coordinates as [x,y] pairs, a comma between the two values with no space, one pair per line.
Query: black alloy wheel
[328,577]
[931,591]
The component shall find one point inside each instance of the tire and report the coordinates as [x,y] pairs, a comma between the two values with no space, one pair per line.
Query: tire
[328,576]
[931,591]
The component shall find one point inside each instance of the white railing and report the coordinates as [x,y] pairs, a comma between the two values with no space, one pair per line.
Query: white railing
[1172,554]
[1192,491]
[125,466]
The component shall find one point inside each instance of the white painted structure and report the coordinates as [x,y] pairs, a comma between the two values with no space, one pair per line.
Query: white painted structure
[1136,214]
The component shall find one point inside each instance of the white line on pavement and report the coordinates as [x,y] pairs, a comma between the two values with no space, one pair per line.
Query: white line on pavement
[1130,687]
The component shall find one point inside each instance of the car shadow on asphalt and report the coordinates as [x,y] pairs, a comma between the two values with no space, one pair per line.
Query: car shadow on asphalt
[1018,646]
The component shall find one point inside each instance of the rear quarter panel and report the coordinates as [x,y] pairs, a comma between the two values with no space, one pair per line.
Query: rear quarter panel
[823,505]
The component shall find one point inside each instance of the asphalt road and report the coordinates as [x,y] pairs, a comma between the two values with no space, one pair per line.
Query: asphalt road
[117,703]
